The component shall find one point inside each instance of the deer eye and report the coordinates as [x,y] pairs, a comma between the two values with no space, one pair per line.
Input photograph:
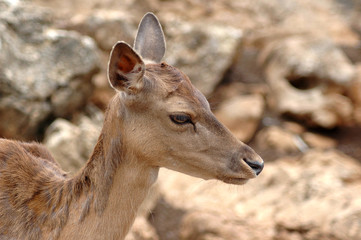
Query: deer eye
[180,118]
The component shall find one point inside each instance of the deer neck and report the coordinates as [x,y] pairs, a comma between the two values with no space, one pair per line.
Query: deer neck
[113,185]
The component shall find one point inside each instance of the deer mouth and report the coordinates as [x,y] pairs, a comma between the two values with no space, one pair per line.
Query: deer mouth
[235,180]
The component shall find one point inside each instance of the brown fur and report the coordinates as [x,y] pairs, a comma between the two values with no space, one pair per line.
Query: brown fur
[31,187]
[39,201]
[35,194]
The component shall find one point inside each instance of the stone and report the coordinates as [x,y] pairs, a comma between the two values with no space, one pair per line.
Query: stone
[59,133]
[294,127]
[71,144]
[311,196]
[280,139]
[357,115]
[355,87]
[325,191]
[142,230]
[45,72]
[307,77]
[204,52]
[106,27]
[218,225]
[314,140]
[242,115]
[354,92]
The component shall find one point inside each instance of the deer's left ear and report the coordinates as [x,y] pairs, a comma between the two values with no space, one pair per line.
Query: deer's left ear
[149,42]
[125,69]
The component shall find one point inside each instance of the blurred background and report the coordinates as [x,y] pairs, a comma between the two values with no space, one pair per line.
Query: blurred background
[283,75]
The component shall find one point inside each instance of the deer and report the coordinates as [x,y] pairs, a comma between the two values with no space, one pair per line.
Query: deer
[156,118]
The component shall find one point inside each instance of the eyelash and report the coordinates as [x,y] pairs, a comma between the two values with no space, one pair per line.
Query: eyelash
[181,119]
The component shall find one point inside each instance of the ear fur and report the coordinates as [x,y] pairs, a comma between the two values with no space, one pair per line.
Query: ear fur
[149,42]
[125,69]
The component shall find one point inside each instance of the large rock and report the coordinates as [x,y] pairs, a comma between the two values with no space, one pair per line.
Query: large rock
[106,27]
[142,230]
[289,138]
[355,94]
[219,225]
[314,196]
[202,51]
[321,186]
[281,140]
[307,78]
[44,72]
[241,115]
[72,144]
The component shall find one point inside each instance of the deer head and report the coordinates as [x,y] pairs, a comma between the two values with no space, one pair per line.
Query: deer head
[165,120]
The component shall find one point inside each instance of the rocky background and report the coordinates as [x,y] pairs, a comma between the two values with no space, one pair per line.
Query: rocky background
[283,75]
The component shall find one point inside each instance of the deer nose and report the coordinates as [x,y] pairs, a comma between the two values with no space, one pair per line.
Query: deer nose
[256,166]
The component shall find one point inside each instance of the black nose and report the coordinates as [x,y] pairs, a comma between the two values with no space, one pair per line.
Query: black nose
[256,166]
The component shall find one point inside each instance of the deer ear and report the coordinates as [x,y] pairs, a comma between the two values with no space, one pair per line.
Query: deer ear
[149,42]
[125,69]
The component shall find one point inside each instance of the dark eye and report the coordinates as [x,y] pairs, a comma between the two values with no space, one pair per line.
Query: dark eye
[180,118]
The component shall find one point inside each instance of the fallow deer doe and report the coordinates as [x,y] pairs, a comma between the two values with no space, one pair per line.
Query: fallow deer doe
[157,118]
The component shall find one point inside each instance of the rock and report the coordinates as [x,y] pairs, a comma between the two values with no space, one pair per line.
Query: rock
[307,77]
[106,27]
[246,68]
[294,127]
[354,92]
[318,141]
[59,133]
[204,52]
[70,144]
[313,196]
[142,230]
[324,186]
[355,87]
[44,72]
[357,115]
[281,140]
[241,115]
[218,225]
[66,9]
[292,138]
